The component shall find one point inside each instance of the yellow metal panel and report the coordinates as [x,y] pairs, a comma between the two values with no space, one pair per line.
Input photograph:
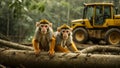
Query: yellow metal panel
[77,25]
[109,22]
[112,22]
[112,12]
[117,22]
[98,4]
[87,23]
[117,16]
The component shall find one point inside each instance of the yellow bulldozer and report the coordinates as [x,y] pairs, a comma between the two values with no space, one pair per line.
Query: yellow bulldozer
[100,22]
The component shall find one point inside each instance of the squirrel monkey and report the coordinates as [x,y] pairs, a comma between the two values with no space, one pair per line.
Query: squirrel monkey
[64,42]
[43,38]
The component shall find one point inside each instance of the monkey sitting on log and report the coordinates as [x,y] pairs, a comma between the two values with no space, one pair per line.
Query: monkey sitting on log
[64,42]
[43,38]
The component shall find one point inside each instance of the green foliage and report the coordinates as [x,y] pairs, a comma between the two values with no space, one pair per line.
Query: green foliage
[38,6]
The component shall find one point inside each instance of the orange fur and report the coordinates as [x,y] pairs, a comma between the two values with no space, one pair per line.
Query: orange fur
[52,46]
[36,46]
[61,49]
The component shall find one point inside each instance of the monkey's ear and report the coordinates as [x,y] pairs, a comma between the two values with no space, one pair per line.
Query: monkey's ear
[50,24]
[58,29]
[37,24]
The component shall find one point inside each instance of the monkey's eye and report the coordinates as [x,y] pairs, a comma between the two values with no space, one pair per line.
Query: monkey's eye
[42,26]
[63,31]
[45,26]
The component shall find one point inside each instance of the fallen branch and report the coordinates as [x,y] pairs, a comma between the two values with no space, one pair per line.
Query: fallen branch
[4,37]
[60,60]
[14,45]
[2,66]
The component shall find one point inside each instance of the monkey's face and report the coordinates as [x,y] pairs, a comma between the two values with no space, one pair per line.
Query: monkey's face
[44,28]
[65,33]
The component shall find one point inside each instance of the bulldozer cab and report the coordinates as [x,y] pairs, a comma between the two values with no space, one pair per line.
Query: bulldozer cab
[97,13]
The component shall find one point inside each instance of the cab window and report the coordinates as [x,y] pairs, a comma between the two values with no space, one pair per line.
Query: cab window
[107,12]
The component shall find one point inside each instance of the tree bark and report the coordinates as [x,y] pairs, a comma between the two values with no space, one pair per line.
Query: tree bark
[14,45]
[60,60]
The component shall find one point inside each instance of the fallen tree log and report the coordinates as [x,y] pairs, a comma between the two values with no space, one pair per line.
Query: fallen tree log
[101,49]
[14,45]
[60,60]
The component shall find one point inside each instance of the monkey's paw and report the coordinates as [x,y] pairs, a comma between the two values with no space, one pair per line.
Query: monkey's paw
[51,53]
[37,52]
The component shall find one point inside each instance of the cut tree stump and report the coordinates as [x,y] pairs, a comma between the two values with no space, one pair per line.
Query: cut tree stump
[28,59]
[14,45]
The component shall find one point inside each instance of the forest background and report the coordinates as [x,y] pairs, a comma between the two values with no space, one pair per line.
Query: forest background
[18,17]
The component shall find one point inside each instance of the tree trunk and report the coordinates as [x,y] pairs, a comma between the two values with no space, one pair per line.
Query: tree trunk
[14,45]
[60,60]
